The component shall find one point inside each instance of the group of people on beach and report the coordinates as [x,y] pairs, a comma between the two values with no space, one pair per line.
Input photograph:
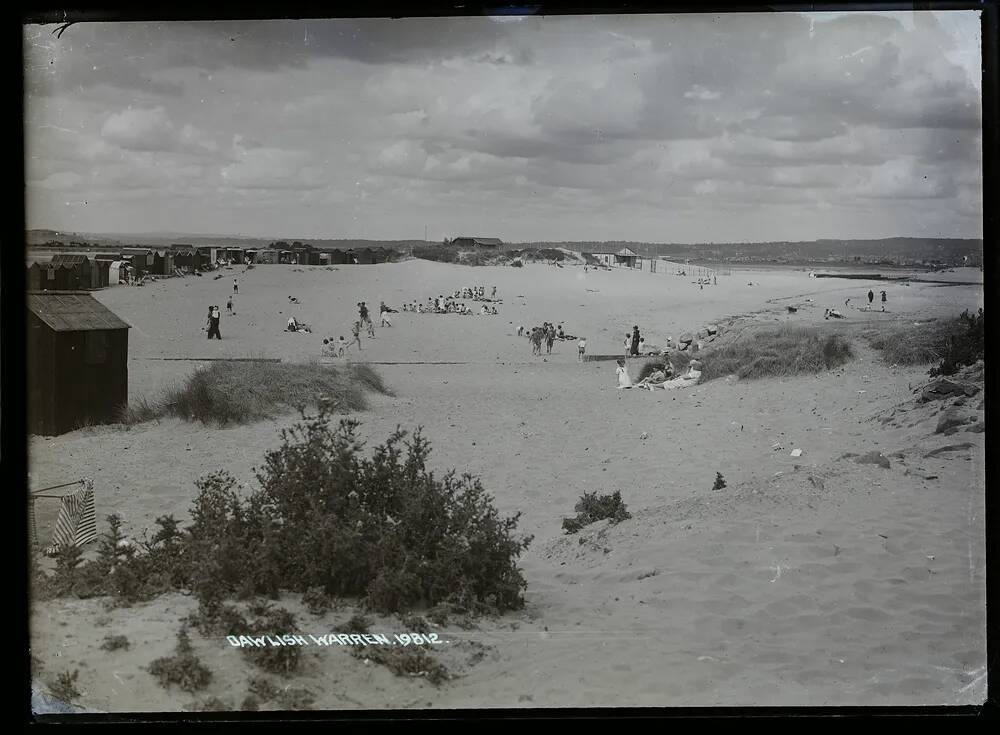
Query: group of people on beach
[834,314]
[448,305]
[635,343]
[661,377]
[547,334]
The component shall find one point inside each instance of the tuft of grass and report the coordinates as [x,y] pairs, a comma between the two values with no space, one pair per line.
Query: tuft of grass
[720,481]
[225,393]
[911,344]
[63,687]
[766,353]
[369,378]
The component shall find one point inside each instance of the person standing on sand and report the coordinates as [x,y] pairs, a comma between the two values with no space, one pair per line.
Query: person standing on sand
[356,331]
[236,286]
[628,343]
[871,298]
[550,337]
[229,306]
[883,301]
[635,340]
[214,317]
[581,347]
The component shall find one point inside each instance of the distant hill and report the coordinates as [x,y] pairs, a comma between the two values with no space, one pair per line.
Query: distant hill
[894,249]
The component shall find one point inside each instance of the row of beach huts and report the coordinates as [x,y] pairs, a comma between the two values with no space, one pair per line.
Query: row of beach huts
[82,268]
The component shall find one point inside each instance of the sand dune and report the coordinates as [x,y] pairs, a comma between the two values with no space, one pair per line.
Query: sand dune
[807,581]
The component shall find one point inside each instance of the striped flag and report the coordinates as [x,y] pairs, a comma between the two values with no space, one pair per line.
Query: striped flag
[77,524]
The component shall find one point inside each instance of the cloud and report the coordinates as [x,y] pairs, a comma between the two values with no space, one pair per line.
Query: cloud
[272,168]
[151,129]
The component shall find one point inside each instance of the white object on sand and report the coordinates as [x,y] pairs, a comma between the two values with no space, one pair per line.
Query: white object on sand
[796,452]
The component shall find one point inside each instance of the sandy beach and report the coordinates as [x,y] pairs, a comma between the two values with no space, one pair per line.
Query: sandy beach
[809,580]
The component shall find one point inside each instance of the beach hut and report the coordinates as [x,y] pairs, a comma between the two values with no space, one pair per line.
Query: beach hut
[73,271]
[337,257]
[163,262]
[365,256]
[77,352]
[35,276]
[117,272]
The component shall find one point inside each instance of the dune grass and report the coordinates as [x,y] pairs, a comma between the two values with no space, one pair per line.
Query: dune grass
[225,393]
[766,353]
[913,344]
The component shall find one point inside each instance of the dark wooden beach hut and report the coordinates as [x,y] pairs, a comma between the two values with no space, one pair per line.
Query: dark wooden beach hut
[337,257]
[365,256]
[163,262]
[73,271]
[77,352]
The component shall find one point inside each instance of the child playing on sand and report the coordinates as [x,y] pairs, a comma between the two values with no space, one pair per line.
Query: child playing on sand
[581,347]
[356,331]
[624,381]
[229,306]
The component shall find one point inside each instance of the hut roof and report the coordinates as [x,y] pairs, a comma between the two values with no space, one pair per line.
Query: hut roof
[72,311]
[65,259]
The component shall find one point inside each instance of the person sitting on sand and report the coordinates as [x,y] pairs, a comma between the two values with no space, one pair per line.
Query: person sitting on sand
[655,379]
[293,326]
[833,313]
[689,379]
[624,381]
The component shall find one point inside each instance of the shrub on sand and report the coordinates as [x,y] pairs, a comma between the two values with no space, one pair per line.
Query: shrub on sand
[183,669]
[779,352]
[240,392]
[592,508]
[966,344]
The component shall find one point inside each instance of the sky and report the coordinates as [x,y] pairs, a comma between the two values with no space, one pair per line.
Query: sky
[660,128]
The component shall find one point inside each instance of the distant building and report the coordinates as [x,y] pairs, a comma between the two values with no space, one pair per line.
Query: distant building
[490,243]
[77,352]
[625,258]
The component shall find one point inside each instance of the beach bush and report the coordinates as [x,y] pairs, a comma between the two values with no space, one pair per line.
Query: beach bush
[183,670]
[408,661]
[720,481]
[965,346]
[115,643]
[766,353]
[593,507]
[63,687]
[274,622]
[324,520]
[226,393]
